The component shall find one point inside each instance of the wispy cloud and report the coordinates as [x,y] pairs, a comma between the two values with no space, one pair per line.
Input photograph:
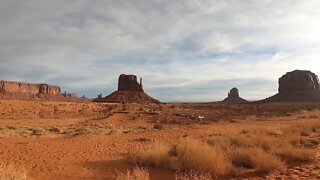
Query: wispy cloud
[194,50]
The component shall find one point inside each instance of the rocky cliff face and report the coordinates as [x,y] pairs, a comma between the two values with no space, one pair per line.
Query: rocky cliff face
[10,90]
[234,97]
[129,91]
[8,87]
[297,86]
[129,83]
[299,81]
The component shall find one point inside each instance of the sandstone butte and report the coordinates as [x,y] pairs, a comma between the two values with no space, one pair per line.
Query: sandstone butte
[234,97]
[129,91]
[297,86]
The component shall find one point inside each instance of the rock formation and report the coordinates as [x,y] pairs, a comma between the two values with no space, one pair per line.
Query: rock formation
[233,97]
[8,87]
[297,86]
[129,83]
[26,91]
[129,91]
[299,81]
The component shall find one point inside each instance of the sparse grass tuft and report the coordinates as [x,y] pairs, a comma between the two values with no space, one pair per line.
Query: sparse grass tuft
[193,175]
[135,174]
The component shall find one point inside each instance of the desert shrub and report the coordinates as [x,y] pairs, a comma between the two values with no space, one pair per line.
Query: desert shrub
[35,131]
[266,142]
[113,130]
[142,139]
[187,155]
[195,155]
[254,158]
[135,174]
[266,150]
[11,127]
[156,155]
[11,173]
[158,126]
[81,131]
[296,154]
[54,129]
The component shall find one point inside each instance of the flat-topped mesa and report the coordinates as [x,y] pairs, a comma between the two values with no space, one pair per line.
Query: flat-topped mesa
[299,81]
[10,87]
[233,97]
[129,91]
[297,86]
[129,83]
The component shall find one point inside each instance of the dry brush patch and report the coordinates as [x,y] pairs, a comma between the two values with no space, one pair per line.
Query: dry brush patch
[261,150]
[196,155]
[188,155]
[135,174]
[193,175]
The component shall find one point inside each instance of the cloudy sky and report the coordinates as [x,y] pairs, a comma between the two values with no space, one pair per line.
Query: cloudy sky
[185,50]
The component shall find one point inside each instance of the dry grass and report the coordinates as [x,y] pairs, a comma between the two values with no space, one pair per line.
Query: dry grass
[193,175]
[254,158]
[292,154]
[142,174]
[135,174]
[266,150]
[195,155]
[156,156]
[187,155]
[257,149]
[11,173]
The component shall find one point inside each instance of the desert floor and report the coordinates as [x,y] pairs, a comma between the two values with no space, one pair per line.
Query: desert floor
[55,140]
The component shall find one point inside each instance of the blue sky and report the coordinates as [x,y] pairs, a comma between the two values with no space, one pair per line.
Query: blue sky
[185,50]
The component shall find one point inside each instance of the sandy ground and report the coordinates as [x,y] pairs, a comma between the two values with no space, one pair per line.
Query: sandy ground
[59,155]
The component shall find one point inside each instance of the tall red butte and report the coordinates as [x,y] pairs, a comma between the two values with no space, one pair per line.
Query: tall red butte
[129,91]
[297,86]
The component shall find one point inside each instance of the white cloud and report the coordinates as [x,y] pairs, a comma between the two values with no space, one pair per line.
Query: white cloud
[177,44]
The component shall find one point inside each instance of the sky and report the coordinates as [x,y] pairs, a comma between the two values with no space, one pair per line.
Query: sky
[185,50]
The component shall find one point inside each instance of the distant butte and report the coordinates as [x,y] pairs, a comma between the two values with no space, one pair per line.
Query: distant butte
[234,97]
[297,86]
[11,90]
[129,91]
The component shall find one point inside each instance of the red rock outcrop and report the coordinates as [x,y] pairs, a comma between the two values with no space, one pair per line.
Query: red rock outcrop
[129,83]
[33,92]
[299,81]
[234,97]
[297,86]
[27,88]
[129,91]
